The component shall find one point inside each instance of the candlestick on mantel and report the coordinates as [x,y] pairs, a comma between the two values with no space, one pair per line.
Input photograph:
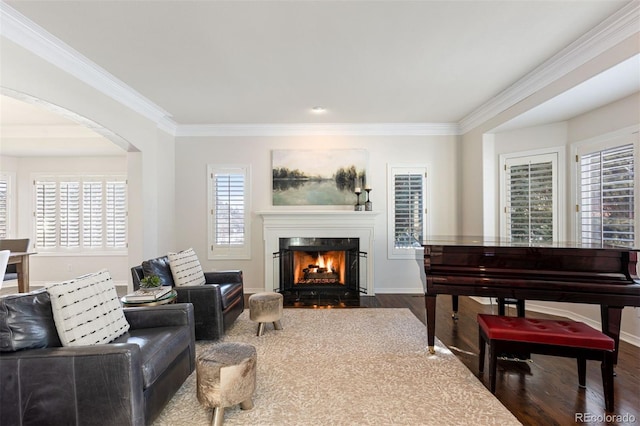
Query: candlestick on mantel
[368,205]
[358,206]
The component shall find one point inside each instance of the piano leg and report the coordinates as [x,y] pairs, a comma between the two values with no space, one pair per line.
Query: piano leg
[502,302]
[501,306]
[454,306]
[611,317]
[430,305]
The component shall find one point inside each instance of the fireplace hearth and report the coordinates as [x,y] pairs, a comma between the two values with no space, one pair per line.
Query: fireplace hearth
[319,271]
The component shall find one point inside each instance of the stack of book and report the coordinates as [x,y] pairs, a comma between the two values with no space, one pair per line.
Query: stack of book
[148,294]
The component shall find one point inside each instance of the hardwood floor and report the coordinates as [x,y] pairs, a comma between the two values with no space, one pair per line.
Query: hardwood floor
[543,391]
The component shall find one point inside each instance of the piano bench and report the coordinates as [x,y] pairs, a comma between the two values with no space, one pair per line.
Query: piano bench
[564,338]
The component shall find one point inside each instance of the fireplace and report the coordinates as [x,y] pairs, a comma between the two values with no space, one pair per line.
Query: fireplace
[315,224]
[320,271]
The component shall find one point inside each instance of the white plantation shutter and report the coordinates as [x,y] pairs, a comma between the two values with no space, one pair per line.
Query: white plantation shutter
[46,214]
[116,214]
[69,214]
[530,202]
[92,208]
[228,208]
[408,209]
[80,213]
[607,197]
[530,198]
[4,207]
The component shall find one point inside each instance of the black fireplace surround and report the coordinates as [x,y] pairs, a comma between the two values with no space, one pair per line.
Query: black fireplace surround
[313,284]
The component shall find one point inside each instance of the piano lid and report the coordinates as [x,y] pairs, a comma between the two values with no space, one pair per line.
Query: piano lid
[481,241]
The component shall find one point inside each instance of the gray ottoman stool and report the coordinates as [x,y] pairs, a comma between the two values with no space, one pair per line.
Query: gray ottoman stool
[226,376]
[266,307]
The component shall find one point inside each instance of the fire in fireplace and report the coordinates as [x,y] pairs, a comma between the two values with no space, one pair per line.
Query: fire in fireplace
[318,268]
[319,271]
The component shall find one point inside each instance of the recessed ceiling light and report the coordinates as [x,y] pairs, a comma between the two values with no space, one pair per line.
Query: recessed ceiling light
[318,110]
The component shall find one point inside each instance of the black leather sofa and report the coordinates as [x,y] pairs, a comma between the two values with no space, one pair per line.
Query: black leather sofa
[125,382]
[216,304]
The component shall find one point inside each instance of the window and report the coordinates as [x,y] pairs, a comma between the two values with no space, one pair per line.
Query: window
[407,210]
[6,204]
[229,236]
[79,213]
[530,194]
[607,196]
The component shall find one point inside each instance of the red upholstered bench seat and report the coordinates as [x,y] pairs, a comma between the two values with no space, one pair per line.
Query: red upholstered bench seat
[550,332]
[548,337]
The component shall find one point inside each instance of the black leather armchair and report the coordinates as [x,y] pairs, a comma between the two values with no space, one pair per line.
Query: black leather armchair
[125,382]
[216,304]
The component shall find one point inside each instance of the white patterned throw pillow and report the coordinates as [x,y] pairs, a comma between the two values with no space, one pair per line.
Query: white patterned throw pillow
[185,268]
[86,310]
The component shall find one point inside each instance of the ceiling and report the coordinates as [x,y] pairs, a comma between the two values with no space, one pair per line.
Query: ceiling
[269,62]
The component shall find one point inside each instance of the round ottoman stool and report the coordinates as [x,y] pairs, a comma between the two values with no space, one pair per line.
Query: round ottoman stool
[266,307]
[226,376]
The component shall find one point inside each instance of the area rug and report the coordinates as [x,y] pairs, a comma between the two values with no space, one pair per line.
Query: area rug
[348,367]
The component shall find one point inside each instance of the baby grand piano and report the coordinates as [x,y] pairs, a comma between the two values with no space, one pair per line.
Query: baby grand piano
[559,272]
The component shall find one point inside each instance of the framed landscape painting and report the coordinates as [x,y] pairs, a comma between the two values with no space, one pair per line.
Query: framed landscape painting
[317,177]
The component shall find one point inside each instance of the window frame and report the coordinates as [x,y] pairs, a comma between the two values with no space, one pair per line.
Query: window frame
[408,252]
[624,136]
[557,157]
[81,179]
[228,252]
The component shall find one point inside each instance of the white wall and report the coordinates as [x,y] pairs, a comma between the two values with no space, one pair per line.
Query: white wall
[607,119]
[150,160]
[193,154]
[471,184]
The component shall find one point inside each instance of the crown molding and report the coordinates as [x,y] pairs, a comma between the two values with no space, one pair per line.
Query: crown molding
[168,125]
[613,30]
[313,129]
[26,33]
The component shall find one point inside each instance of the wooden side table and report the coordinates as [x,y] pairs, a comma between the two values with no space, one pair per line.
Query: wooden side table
[164,300]
[21,260]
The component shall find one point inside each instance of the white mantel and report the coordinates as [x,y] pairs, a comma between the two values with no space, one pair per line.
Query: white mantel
[320,224]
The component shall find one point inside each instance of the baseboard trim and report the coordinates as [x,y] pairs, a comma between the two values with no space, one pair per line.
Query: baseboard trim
[398,291]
